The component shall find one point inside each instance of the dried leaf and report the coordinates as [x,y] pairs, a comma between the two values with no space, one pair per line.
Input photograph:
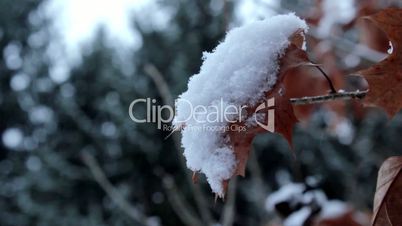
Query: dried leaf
[347,219]
[388,196]
[385,77]
[371,36]
[284,118]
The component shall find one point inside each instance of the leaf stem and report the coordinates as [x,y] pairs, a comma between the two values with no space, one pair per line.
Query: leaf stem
[330,97]
[331,86]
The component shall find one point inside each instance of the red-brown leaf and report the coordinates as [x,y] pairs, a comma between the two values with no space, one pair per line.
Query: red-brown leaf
[385,78]
[388,196]
[284,116]
[347,219]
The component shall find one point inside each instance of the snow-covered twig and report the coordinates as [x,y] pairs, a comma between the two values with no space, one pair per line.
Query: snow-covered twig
[330,97]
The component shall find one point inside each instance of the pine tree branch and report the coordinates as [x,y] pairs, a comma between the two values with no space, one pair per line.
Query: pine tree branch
[330,97]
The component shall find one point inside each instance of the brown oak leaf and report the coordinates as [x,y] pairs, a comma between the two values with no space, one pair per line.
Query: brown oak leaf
[388,196]
[385,77]
[275,99]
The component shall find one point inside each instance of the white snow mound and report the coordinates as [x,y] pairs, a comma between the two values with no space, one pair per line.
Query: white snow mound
[236,73]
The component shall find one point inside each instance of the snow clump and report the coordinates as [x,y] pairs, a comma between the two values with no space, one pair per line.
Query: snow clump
[236,73]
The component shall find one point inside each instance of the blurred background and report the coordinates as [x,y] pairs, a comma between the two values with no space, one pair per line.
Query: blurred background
[70,155]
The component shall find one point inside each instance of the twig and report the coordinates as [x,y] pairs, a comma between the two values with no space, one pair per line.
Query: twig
[229,208]
[331,86]
[111,191]
[160,83]
[261,188]
[179,204]
[330,97]
[164,92]
[225,15]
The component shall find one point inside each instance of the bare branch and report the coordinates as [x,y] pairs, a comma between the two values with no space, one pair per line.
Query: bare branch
[111,191]
[180,206]
[331,86]
[330,97]
[160,83]
[164,92]
[229,208]
[261,189]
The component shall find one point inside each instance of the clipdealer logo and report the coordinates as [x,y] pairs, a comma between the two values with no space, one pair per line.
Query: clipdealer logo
[163,115]
[269,107]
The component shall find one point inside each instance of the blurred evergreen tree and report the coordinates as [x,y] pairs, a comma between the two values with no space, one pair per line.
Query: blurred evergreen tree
[44,178]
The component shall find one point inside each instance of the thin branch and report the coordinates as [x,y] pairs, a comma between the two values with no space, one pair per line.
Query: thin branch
[225,15]
[179,204]
[160,83]
[261,188]
[229,208]
[331,86]
[330,97]
[111,191]
[87,127]
[164,91]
